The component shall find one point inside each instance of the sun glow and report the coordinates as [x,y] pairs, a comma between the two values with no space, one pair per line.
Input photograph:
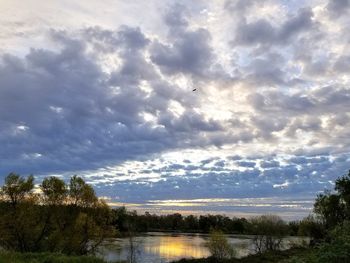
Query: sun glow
[177,247]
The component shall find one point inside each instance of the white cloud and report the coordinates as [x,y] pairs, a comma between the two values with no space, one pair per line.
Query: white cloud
[105,89]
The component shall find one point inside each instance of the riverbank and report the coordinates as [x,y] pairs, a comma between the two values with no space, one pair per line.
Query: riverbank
[268,257]
[285,256]
[16,257]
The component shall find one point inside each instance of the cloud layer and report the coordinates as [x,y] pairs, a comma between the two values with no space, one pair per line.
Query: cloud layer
[111,98]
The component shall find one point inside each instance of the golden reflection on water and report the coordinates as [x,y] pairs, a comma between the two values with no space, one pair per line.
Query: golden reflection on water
[178,247]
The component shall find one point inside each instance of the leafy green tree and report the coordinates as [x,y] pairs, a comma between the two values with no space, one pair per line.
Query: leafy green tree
[311,227]
[342,186]
[334,207]
[219,246]
[81,193]
[19,218]
[54,191]
[269,232]
[71,222]
[191,222]
[16,188]
[330,207]
[338,249]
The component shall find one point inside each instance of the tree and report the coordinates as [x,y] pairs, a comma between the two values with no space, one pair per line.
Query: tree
[81,193]
[71,222]
[54,191]
[269,232]
[338,248]
[16,188]
[219,246]
[191,222]
[330,208]
[342,186]
[334,207]
[311,227]
[18,218]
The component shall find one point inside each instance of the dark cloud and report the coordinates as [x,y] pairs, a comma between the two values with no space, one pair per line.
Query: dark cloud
[272,101]
[338,8]
[240,7]
[270,116]
[269,164]
[68,114]
[342,65]
[325,99]
[262,32]
[191,54]
[246,164]
[297,176]
[177,16]
[188,51]
[267,71]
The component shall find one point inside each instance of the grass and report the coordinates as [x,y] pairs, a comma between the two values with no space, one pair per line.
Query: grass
[268,257]
[294,255]
[15,257]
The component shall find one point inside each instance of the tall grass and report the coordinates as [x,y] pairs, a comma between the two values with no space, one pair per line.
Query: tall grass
[15,257]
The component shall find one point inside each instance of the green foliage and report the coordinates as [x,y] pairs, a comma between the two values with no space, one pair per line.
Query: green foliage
[269,232]
[54,191]
[81,193]
[338,249]
[311,227]
[17,188]
[13,257]
[296,255]
[334,208]
[55,222]
[330,207]
[176,222]
[219,246]
[342,186]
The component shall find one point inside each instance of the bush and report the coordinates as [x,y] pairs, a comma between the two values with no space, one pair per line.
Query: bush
[219,246]
[312,228]
[270,230]
[15,257]
[64,219]
[338,250]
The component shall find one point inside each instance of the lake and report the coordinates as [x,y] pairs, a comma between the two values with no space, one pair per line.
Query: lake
[158,247]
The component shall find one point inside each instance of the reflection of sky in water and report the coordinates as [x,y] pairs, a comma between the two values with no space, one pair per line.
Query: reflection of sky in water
[165,247]
[179,246]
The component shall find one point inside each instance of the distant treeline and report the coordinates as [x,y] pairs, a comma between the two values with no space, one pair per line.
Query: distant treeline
[71,219]
[147,222]
[176,222]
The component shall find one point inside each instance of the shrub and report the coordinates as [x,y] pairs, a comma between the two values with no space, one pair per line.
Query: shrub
[270,230]
[338,250]
[219,246]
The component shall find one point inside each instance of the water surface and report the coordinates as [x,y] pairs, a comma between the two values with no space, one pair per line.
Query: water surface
[155,247]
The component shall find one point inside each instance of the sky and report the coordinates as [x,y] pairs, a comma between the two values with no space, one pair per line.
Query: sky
[104,89]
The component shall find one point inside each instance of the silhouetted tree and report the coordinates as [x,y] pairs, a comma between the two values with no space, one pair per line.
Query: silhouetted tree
[17,189]
[269,232]
[54,191]
[81,193]
[63,219]
[334,207]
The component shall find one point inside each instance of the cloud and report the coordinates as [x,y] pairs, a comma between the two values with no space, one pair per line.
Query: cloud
[338,8]
[110,97]
[77,115]
[262,32]
[189,51]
